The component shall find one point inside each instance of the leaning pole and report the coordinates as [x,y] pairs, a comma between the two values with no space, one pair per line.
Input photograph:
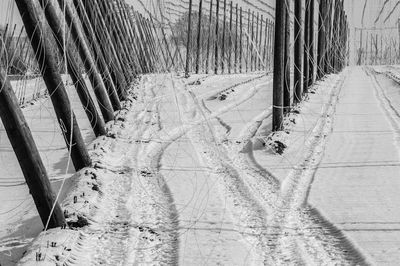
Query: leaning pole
[55,86]
[28,156]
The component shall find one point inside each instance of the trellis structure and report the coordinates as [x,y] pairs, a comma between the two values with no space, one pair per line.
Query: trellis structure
[113,44]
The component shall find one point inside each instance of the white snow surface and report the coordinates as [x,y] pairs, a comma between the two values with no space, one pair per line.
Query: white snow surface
[189,174]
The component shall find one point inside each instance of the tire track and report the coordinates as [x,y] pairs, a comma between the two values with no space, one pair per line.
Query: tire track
[156,217]
[392,114]
[298,234]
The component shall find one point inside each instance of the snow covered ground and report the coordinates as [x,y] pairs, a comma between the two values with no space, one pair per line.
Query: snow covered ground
[19,219]
[190,174]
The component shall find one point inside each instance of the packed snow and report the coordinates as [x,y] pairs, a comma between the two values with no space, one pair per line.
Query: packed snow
[191,174]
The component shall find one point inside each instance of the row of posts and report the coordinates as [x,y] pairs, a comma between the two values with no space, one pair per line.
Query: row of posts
[331,45]
[115,44]
[237,48]
[375,48]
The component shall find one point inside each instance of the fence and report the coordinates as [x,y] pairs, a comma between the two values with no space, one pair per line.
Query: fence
[377,46]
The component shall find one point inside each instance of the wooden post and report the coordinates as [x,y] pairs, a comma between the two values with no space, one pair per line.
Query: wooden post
[327,66]
[166,44]
[252,48]
[230,40]
[94,33]
[286,90]
[107,22]
[321,40]
[109,32]
[104,16]
[149,64]
[92,114]
[265,45]
[311,55]
[54,84]
[279,72]
[116,9]
[306,56]
[111,76]
[259,53]
[28,156]
[189,38]
[381,61]
[298,51]
[236,38]
[120,37]
[248,40]
[160,47]
[11,57]
[256,42]
[376,49]
[269,45]
[178,51]
[336,37]
[241,42]
[133,38]
[209,37]
[223,53]
[199,37]
[98,84]
[153,48]
[366,49]
[4,41]
[216,38]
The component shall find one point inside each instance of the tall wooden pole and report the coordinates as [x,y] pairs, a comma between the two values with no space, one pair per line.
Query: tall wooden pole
[95,119]
[159,42]
[145,44]
[123,9]
[189,39]
[54,84]
[223,52]
[230,40]
[259,53]
[255,46]
[199,37]
[101,84]
[107,21]
[28,155]
[279,72]
[96,25]
[209,36]
[287,65]
[252,41]
[119,37]
[321,39]
[264,56]
[248,40]
[328,45]
[311,54]
[106,65]
[236,38]
[216,38]
[166,44]
[241,42]
[306,55]
[298,51]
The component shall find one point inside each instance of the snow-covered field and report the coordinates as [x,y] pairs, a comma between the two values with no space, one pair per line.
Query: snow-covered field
[190,174]
[19,220]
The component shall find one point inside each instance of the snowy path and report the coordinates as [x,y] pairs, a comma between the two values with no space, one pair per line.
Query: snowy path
[185,179]
[357,183]
[260,212]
